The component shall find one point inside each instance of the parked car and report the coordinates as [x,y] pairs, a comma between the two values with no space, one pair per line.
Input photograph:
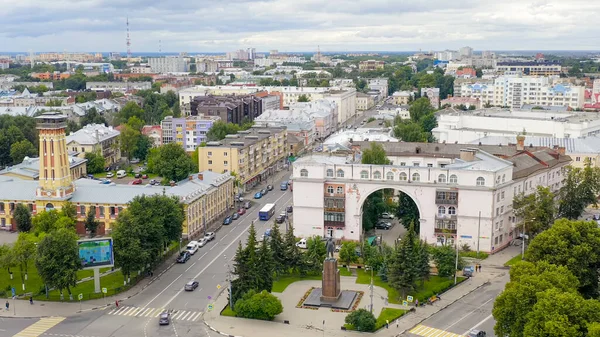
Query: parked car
[110,175]
[192,247]
[105,181]
[281,218]
[183,257]
[154,182]
[241,211]
[191,286]
[258,195]
[289,209]
[387,215]
[144,176]
[202,242]
[476,333]
[137,182]
[264,191]
[383,225]
[121,174]
[239,197]
[209,236]
[227,221]
[138,175]
[235,216]
[269,187]
[301,244]
[164,319]
[247,205]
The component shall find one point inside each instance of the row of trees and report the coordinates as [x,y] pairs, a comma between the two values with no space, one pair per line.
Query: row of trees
[422,121]
[18,139]
[555,291]
[220,129]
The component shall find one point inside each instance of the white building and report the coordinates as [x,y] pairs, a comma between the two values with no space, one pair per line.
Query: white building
[467,126]
[342,83]
[433,94]
[142,69]
[447,55]
[169,64]
[466,52]
[380,84]
[118,86]
[390,112]
[463,193]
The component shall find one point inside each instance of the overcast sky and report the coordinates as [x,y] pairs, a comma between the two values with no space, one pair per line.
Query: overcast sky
[298,25]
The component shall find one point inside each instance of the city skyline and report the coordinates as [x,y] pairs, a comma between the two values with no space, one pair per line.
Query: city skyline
[288,26]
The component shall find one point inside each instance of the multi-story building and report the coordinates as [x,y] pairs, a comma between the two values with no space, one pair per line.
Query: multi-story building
[231,109]
[467,126]
[118,86]
[380,84]
[463,193]
[51,76]
[96,138]
[188,132]
[4,64]
[371,65]
[206,196]
[154,132]
[169,64]
[466,52]
[542,68]
[402,97]
[433,94]
[29,169]
[253,155]
[467,102]
[145,69]
[364,101]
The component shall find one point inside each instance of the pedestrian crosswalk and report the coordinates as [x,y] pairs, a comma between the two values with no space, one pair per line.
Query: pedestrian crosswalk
[179,315]
[38,328]
[426,331]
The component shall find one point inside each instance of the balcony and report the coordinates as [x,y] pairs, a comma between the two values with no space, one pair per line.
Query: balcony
[334,223]
[444,231]
[446,201]
[445,217]
[334,209]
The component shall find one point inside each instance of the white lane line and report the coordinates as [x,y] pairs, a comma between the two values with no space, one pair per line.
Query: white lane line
[196,316]
[478,324]
[468,314]
[143,312]
[167,287]
[149,312]
[220,256]
[127,312]
[184,318]
[158,312]
[193,264]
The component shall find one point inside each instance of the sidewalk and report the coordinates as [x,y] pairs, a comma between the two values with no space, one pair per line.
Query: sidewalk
[492,267]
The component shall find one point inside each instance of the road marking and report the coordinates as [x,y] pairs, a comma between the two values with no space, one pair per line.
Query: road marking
[193,318]
[193,264]
[467,315]
[182,315]
[426,331]
[478,324]
[208,265]
[38,328]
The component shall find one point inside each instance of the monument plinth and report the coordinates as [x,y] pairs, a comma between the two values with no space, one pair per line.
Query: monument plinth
[331,281]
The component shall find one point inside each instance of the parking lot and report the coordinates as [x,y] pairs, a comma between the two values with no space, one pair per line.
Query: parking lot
[389,236]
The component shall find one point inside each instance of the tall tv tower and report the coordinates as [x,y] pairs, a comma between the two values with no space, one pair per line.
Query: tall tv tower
[128,42]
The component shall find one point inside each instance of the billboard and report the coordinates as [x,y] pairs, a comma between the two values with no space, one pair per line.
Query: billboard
[95,253]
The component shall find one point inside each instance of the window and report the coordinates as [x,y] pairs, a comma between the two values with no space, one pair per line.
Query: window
[101,210]
[224,153]
[502,195]
[364,174]
[340,173]
[377,175]
[577,158]
[503,177]
[340,190]
[303,173]
[390,176]
[209,153]
[330,189]
[2,207]
[82,210]
[329,173]
[224,162]
[498,197]
[501,209]
[429,165]
[480,181]
[416,164]
[402,163]
[451,210]
[210,162]
[442,178]
[416,177]
[402,177]
[497,211]
[441,210]
[453,179]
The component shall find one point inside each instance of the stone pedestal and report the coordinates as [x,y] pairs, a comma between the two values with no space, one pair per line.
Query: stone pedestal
[331,281]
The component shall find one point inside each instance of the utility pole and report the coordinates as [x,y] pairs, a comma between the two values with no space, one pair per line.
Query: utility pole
[478,233]
[523,237]
[230,287]
[456,263]
[371,287]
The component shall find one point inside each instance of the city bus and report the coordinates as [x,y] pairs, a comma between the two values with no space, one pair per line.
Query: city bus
[266,212]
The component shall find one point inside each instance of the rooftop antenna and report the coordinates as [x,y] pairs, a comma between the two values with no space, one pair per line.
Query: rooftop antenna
[31,60]
[128,42]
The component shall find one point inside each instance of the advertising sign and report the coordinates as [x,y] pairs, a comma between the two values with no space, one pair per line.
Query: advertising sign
[96,253]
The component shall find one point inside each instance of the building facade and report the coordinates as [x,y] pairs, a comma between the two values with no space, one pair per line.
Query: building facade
[402,97]
[364,101]
[433,94]
[230,109]
[530,68]
[188,132]
[371,65]
[118,86]
[96,138]
[169,64]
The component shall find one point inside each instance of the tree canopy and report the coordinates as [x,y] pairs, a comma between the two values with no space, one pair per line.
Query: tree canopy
[170,161]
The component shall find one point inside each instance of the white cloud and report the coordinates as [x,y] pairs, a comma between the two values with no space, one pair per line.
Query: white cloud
[292,25]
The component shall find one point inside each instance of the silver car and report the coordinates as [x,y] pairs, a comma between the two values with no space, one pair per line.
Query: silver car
[209,236]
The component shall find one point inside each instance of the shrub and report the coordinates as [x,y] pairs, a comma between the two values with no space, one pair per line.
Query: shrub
[261,305]
[361,320]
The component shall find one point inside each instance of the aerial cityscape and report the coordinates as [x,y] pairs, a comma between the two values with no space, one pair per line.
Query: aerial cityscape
[281,168]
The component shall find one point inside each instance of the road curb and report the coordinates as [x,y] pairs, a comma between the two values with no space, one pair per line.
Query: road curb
[217,331]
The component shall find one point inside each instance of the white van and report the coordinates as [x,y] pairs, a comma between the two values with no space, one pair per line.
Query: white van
[121,173]
[192,247]
[301,244]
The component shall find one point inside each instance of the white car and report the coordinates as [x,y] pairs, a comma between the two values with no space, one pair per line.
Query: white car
[110,175]
[192,247]
[202,242]
[387,215]
[209,236]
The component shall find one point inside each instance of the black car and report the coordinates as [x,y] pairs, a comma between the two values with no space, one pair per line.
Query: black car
[280,218]
[269,187]
[383,225]
[183,257]
[190,286]
[290,209]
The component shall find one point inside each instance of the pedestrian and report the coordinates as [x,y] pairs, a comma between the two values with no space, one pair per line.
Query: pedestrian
[416,303]
[30,299]
[117,303]
[387,324]
[480,268]
[397,324]
[7,305]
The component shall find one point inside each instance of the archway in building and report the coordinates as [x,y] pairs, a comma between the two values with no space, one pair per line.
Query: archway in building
[388,205]
[49,207]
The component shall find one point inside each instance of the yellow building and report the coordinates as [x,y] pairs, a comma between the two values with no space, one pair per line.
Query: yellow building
[402,97]
[371,65]
[205,196]
[364,101]
[29,169]
[253,154]
[96,138]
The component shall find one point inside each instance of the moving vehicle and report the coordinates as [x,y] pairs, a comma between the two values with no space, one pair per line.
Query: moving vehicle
[383,225]
[191,286]
[281,218]
[164,319]
[265,236]
[284,185]
[476,333]
[247,205]
[387,215]
[266,212]
[269,187]
[258,195]
[290,209]
[227,221]
[468,271]
[183,257]
[110,175]
[202,242]
[121,174]
[209,236]
[192,247]
[301,244]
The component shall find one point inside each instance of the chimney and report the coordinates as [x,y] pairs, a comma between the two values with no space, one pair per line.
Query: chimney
[520,142]
[200,176]
[561,150]
[467,154]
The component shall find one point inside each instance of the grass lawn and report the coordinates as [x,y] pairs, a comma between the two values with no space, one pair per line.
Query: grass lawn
[284,281]
[228,312]
[513,261]
[472,254]
[389,314]
[364,277]
[113,282]
[344,271]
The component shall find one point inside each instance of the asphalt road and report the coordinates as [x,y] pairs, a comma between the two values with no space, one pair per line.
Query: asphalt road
[10,326]
[473,311]
[138,316]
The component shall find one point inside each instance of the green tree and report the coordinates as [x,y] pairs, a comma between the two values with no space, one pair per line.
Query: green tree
[58,261]
[92,117]
[135,123]
[95,162]
[410,132]
[142,148]
[348,253]
[445,260]
[315,254]
[277,247]
[404,272]
[422,252]
[593,329]
[129,253]
[573,244]
[241,284]
[372,256]
[20,150]
[303,98]
[69,210]
[375,155]
[128,140]
[171,162]
[220,129]
[130,109]
[361,320]
[420,108]
[293,256]
[23,218]
[23,252]
[263,305]
[579,190]
[536,210]
[91,224]
[407,211]
[165,211]
[527,279]
[265,267]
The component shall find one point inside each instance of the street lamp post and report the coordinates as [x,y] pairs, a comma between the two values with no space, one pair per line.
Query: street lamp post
[229,280]
[523,237]
[456,262]
[180,240]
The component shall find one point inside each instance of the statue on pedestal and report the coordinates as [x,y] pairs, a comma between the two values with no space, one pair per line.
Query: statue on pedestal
[330,248]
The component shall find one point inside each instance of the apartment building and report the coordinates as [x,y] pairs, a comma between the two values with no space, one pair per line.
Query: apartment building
[169,64]
[433,94]
[402,97]
[371,65]
[154,132]
[379,84]
[51,76]
[230,109]
[253,155]
[118,86]
[4,64]
[188,132]
[540,68]
[96,138]
[364,101]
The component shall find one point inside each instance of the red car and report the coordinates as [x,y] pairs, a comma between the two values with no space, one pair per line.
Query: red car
[144,176]
[136,182]
[242,211]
